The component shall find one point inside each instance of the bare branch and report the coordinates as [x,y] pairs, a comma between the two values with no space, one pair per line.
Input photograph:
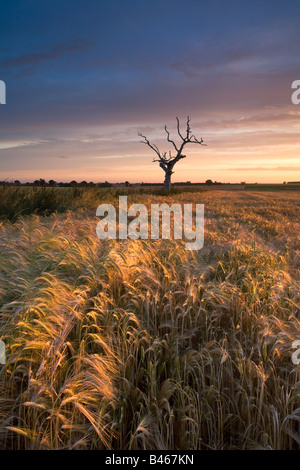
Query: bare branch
[176,159]
[178,128]
[154,147]
[188,129]
[169,140]
[196,141]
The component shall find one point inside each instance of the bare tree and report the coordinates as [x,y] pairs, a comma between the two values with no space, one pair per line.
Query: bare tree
[167,162]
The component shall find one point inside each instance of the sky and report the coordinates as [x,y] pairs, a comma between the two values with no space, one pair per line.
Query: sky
[83,78]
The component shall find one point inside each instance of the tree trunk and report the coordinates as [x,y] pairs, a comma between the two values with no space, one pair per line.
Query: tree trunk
[167,183]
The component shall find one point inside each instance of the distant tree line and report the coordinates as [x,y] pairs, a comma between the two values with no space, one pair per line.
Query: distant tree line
[52,183]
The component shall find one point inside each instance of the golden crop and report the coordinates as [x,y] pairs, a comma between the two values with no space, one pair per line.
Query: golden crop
[144,345]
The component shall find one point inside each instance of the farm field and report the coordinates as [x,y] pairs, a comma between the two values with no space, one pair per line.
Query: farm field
[142,344]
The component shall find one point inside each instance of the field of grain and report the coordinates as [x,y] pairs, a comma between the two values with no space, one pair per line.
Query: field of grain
[144,345]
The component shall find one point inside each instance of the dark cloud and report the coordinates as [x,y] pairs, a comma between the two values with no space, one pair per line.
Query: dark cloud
[210,59]
[56,51]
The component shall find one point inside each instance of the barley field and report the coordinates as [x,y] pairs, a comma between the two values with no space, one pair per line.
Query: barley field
[142,344]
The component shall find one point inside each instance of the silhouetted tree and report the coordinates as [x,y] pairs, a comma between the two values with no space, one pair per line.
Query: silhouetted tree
[40,182]
[106,184]
[167,162]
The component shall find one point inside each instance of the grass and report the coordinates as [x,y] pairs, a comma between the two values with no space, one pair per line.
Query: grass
[144,345]
[19,201]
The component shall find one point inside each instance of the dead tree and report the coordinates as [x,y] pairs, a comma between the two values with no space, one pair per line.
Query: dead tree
[167,162]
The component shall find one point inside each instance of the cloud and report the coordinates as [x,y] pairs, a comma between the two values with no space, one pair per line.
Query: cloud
[108,157]
[261,168]
[217,58]
[23,143]
[54,52]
